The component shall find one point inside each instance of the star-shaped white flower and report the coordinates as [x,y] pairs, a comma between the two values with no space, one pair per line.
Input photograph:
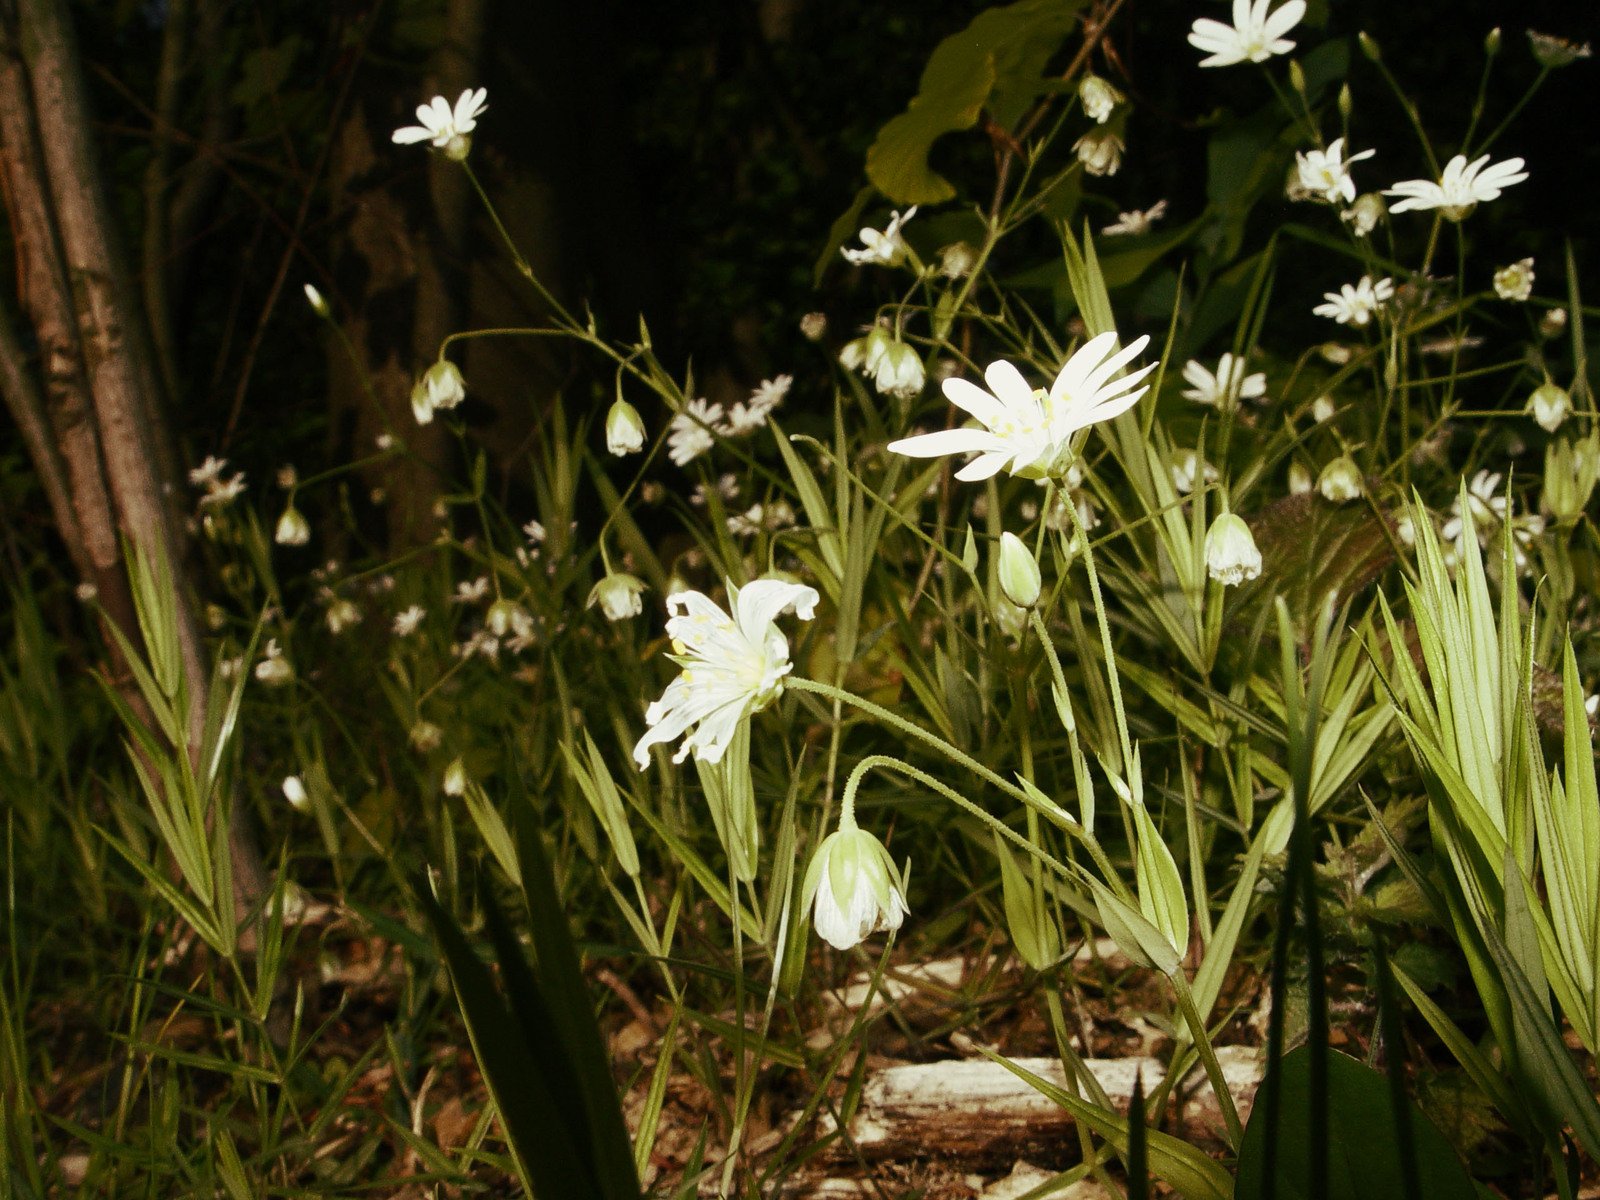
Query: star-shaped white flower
[1326,173]
[1356,305]
[1028,431]
[1136,222]
[732,666]
[1461,188]
[447,128]
[690,434]
[1227,387]
[887,248]
[1254,36]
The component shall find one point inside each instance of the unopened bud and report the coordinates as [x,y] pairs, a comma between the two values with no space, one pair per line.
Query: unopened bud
[1019,572]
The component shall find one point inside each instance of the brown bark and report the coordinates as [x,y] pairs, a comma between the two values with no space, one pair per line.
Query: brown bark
[104,404]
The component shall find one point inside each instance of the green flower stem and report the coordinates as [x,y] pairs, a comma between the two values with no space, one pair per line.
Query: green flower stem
[1105,639]
[891,718]
[847,809]
[1208,1058]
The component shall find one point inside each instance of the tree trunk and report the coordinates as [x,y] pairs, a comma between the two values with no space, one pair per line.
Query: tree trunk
[100,402]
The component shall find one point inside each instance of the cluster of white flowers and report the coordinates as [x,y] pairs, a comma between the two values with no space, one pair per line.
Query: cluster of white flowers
[695,429]
[1356,304]
[1490,509]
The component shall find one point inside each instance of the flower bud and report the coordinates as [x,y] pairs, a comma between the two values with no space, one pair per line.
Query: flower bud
[455,778]
[1369,47]
[618,596]
[1364,215]
[1300,481]
[293,529]
[1019,572]
[624,428]
[1346,101]
[813,326]
[1491,42]
[1231,554]
[1297,77]
[1571,470]
[855,887]
[1553,324]
[295,793]
[425,737]
[864,353]
[458,147]
[319,304]
[1549,405]
[956,260]
[1340,480]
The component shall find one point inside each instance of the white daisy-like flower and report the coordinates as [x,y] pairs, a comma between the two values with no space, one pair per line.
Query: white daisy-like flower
[1028,431]
[1254,36]
[690,433]
[208,472]
[1461,188]
[1227,387]
[769,393]
[733,666]
[884,249]
[534,531]
[1357,304]
[446,127]
[1326,173]
[1136,222]
[471,591]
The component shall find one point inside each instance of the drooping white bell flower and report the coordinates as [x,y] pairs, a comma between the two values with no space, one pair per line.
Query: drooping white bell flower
[1231,554]
[855,886]
[618,596]
[733,666]
[439,389]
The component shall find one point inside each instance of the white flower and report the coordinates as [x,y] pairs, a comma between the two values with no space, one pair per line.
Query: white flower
[1486,506]
[1136,222]
[1231,553]
[341,615]
[732,666]
[1322,409]
[618,596]
[1516,281]
[454,782]
[425,737]
[690,433]
[1028,431]
[1363,216]
[439,387]
[1099,98]
[1461,188]
[1018,571]
[863,353]
[273,669]
[294,791]
[534,532]
[1553,323]
[624,428]
[1300,481]
[1227,387]
[1355,305]
[1187,470]
[887,248]
[814,325]
[293,529]
[208,472]
[1100,152]
[1326,173]
[769,393]
[1340,480]
[1553,52]
[445,127]
[407,622]
[505,616]
[855,887]
[957,260]
[1254,35]
[899,372]
[1549,405]
[470,591]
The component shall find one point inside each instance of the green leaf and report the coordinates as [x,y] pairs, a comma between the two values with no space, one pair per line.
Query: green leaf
[1363,1149]
[998,61]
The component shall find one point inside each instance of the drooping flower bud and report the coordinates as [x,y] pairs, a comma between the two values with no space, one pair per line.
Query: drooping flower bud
[624,428]
[1340,480]
[1549,405]
[293,528]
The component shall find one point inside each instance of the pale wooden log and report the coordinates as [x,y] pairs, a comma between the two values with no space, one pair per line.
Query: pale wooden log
[977,1111]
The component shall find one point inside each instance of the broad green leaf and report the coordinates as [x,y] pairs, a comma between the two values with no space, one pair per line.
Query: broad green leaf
[997,62]
[1364,1149]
